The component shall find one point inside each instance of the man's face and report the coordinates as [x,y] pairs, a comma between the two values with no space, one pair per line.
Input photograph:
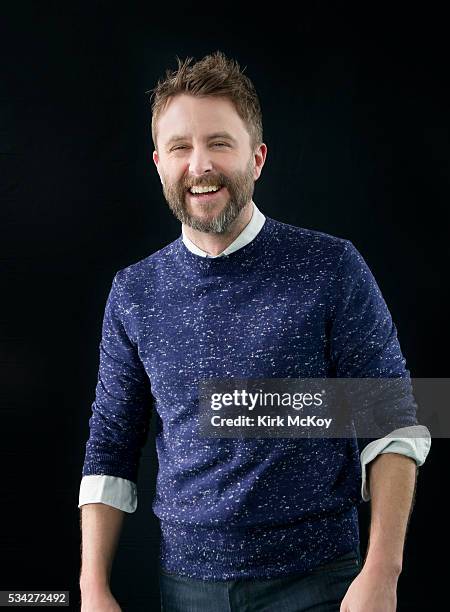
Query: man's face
[212,148]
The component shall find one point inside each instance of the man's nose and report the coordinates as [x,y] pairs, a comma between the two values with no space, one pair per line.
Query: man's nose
[200,161]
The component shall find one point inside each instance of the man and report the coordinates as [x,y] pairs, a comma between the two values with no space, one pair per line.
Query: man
[246,524]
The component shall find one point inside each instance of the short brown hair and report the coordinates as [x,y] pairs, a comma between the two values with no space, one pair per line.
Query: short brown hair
[214,75]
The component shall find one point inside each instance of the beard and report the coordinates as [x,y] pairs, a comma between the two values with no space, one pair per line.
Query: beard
[240,186]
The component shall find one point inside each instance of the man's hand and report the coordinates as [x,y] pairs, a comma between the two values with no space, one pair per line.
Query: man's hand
[99,601]
[373,590]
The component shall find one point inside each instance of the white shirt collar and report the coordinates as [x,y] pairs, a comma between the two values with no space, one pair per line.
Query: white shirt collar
[249,232]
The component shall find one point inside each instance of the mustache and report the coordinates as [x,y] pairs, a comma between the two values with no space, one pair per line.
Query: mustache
[207,183]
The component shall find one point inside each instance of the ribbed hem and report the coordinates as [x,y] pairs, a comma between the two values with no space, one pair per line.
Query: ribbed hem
[228,553]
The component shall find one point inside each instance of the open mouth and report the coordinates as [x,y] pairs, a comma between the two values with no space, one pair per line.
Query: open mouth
[205,197]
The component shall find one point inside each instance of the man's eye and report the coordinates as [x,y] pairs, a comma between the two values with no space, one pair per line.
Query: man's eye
[220,144]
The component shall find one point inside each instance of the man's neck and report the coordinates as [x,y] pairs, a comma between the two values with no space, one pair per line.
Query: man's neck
[214,244]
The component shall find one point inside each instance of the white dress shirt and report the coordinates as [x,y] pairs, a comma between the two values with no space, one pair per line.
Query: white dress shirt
[122,493]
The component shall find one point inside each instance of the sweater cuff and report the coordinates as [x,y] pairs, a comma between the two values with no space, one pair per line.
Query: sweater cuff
[111,490]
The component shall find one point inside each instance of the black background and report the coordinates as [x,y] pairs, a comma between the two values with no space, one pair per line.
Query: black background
[355,109]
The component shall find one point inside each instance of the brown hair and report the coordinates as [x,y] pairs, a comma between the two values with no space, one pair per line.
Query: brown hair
[214,75]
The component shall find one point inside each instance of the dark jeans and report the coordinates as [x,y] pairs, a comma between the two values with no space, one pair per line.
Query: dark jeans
[320,590]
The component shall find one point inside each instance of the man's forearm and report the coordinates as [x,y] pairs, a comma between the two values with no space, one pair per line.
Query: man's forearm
[101,525]
[392,481]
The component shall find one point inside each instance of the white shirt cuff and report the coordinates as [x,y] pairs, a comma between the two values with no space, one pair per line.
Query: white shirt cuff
[412,446]
[111,490]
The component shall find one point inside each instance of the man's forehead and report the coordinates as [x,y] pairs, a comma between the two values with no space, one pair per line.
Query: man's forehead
[210,116]
[184,102]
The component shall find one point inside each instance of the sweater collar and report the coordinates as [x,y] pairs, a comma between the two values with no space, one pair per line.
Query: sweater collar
[241,260]
[249,232]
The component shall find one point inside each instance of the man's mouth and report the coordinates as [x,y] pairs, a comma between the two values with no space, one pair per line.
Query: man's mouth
[205,194]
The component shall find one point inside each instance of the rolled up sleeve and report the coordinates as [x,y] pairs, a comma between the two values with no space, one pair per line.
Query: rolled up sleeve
[121,410]
[364,344]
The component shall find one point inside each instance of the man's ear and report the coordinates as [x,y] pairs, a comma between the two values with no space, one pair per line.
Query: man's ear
[260,158]
[156,161]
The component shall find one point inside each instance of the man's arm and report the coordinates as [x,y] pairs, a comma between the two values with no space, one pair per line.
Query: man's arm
[103,501]
[119,426]
[392,479]
[101,526]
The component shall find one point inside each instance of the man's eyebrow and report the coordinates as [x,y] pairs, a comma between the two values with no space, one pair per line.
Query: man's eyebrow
[226,135]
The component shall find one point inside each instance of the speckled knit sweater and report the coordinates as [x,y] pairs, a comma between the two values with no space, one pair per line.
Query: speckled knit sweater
[293,302]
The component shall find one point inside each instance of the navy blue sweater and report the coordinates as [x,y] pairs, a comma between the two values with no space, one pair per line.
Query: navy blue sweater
[291,303]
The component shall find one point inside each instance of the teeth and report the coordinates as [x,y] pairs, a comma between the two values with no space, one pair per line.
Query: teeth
[200,189]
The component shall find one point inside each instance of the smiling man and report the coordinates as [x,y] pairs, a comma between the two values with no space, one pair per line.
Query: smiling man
[208,172]
[246,524]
